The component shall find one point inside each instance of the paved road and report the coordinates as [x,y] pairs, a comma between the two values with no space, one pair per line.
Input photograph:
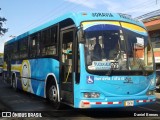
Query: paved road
[22,102]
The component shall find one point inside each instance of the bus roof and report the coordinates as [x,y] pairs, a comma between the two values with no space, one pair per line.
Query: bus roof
[78,18]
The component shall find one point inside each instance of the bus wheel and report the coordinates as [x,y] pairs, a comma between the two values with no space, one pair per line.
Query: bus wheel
[14,85]
[52,95]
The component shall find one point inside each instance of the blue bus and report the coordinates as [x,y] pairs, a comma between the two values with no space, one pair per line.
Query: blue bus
[85,60]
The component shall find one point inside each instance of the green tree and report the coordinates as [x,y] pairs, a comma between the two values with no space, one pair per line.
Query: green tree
[2,30]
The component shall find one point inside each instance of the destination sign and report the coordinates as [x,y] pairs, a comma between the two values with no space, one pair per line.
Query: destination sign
[100,65]
[102,15]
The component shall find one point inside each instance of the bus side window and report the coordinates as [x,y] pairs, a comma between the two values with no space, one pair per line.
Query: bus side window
[24,48]
[33,48]
[15,54]
[48,41]
[33,45]
[10,53]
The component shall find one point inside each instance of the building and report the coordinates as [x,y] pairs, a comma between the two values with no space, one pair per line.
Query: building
[152,23]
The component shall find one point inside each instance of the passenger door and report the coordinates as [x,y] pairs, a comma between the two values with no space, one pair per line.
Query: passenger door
[66,64]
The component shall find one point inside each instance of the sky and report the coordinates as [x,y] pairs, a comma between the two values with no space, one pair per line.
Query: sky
[24,15]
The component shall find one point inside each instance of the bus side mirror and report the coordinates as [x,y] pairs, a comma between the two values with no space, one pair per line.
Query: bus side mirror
[81,36]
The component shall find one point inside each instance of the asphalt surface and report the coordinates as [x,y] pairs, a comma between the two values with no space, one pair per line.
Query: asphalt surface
[24,103]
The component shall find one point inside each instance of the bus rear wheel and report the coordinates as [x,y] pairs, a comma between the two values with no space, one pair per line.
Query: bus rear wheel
[52,95]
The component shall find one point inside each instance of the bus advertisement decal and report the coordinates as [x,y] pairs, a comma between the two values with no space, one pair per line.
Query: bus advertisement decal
[110,78]
[91,79]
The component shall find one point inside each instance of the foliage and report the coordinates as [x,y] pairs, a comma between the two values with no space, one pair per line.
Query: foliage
[2,30]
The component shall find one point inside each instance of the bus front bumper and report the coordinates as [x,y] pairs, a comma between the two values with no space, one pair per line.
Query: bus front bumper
[116,102]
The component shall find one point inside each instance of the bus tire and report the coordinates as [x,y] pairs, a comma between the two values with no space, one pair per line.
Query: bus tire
[14,83]
[52,95]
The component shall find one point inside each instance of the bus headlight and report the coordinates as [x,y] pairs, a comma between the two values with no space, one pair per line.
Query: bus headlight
[91,95]
[150,92]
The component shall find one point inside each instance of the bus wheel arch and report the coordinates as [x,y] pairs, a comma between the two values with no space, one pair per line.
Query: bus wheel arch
[52,91]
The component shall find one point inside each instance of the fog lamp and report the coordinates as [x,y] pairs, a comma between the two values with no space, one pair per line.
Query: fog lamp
[91,95]
[150,92]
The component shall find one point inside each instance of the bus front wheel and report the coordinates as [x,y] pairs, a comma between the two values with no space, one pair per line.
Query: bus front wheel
[52,95]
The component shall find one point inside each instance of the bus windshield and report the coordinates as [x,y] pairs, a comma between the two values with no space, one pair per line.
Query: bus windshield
[111,45]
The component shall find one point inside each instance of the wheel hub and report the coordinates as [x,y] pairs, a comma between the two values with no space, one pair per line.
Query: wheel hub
[53,93]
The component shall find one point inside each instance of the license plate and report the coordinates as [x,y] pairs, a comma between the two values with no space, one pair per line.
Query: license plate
[129,103]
